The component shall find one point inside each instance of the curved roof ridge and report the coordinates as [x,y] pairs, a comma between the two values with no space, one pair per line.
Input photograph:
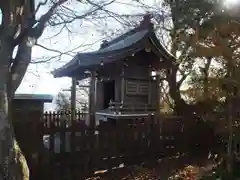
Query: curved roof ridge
[116,49]
[145,24]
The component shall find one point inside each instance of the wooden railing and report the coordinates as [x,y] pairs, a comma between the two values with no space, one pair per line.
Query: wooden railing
[59,117]
[75,150]
[107,146]
[120,107]
[112,144]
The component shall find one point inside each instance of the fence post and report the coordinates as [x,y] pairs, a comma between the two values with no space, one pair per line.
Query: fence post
[152,151]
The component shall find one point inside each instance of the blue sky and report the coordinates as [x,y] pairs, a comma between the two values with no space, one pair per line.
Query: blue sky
[88,33]
[38,78]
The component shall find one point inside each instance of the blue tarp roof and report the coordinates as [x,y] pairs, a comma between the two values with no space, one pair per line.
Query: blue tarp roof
[43,97]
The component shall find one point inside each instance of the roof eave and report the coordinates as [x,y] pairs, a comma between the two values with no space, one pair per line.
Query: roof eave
[155,42]
[39,97]
[73,63]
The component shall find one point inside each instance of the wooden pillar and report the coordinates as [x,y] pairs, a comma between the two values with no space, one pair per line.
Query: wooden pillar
[122,85]
[99,95]
[150,86]
[92,99]
[117,89]
[73,99]
[158,93]
[73,120]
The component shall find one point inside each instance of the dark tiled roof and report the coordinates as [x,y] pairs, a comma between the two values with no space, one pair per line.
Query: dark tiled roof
[124,42]
[114,50]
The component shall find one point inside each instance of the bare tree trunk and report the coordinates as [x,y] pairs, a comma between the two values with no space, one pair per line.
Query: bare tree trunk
[12,162]
[174,91]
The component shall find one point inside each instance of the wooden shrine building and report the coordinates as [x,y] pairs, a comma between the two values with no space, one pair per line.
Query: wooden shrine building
[122,83]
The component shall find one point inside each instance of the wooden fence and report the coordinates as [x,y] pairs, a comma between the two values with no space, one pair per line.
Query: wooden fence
[74,151]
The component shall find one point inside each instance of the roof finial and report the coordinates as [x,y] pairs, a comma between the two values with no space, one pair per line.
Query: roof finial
[104,44]
[146,22]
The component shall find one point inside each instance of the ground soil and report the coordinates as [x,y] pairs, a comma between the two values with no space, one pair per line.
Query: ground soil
[187,167]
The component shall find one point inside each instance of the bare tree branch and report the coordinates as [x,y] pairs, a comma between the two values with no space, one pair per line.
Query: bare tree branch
[74,17]
[35,28]
[72,52]
[21,62]
[53,50]
[183,78]
[39,5]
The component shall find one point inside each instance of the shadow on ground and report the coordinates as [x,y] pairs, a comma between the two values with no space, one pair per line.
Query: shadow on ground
[174,168]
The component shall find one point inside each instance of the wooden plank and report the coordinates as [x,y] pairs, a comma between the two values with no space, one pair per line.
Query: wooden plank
[158,94]
[52,132]
[92,99]
[62,134]
[137,87]
[122,89]
[130,141]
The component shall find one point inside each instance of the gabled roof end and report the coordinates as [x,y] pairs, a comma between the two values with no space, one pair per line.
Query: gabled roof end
[146,21]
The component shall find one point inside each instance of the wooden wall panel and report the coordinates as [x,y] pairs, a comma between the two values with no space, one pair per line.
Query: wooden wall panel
[99,98]
[136,99]
[136,72]
[153,92]
[143,88]
[27,105]
[131,87]
[137,87]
